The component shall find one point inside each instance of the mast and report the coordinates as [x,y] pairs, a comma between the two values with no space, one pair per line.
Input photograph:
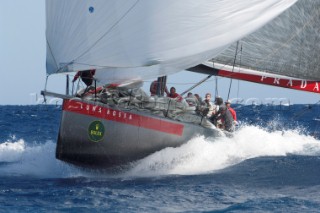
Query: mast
[67,84]
[161,85]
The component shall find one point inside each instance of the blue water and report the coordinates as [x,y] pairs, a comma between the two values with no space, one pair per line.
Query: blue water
[271,165]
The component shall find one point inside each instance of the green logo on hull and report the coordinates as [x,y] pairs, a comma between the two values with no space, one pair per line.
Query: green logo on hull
[96,131]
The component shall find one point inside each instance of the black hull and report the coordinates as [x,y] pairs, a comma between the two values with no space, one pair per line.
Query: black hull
[95,135]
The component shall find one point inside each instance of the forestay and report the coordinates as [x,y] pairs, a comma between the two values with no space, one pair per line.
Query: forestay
[131,40]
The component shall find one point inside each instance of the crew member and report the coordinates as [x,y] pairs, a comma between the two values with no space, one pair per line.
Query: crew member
[233,112]
[226,119]
[86,76]
[208,108]
[173,94]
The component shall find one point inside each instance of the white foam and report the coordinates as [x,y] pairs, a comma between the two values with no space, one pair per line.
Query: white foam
[33,160]
[11,151]
[198,156]
[201,155]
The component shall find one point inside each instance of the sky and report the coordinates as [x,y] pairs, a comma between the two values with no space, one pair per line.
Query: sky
[23,55]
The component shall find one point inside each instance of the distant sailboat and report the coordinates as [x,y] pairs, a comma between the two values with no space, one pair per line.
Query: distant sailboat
[126,42]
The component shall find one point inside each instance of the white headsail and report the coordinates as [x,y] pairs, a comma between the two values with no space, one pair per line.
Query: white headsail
[140,39]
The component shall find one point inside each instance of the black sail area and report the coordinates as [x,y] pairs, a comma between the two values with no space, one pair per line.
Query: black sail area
[289,45]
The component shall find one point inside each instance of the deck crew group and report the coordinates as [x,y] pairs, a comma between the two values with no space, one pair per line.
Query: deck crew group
[219,113]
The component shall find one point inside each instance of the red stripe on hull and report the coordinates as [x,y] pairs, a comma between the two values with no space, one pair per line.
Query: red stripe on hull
[122,117]
[303,85]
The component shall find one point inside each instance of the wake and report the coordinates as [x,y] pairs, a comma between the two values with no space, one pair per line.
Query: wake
[201,155]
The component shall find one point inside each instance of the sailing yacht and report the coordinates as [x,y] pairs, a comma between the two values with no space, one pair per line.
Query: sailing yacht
[126,42]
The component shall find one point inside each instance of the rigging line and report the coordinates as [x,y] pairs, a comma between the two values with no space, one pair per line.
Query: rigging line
[45,88]
[224,63]
[216,82]
[216,92]
[197,84]
[234,62]
[239,69]
[72,89]
[46,83]
[112,27]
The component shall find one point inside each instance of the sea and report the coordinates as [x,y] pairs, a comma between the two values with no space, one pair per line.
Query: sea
[271,164]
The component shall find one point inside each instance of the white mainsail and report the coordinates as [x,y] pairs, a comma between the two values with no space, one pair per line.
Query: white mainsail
[140,39]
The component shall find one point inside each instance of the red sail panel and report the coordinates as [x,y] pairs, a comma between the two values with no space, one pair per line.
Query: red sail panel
[297,84]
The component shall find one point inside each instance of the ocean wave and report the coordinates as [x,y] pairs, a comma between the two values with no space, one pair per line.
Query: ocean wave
[202,155]
[11,151]
[199,156]
[19,158]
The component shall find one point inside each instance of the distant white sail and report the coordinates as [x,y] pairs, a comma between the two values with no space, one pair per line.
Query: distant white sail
[127,39]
